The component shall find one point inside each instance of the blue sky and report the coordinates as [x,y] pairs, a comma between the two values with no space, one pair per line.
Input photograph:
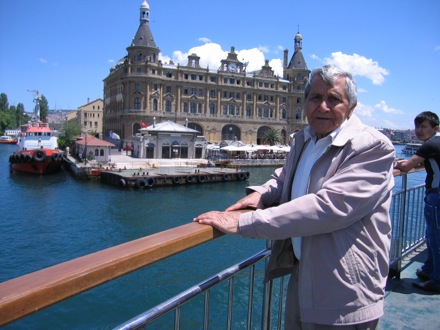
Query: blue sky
[66,48]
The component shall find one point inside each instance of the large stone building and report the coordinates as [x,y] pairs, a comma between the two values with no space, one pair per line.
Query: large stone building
[227,103]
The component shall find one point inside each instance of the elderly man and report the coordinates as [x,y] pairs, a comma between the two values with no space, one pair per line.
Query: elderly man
[327,211]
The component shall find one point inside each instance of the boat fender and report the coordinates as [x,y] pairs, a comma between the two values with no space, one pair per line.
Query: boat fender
[39,155]
[189,179]
[248,175]
[176,180]
[141,183]
[202,178]
[122,182]
[11,159]
[241,176]
[225,177]
[28,158]
[56,157]
[150,182]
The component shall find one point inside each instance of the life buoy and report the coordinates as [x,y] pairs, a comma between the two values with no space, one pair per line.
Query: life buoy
[39,155]
[141,183]
[122,182]
[202,178]
[176,180]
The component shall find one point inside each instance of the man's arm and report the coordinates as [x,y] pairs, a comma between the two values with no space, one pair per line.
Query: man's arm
[409,164]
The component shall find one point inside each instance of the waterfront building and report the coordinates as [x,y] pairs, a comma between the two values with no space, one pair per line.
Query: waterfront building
[90,117]
[167,140]
[226,103]
[89,147]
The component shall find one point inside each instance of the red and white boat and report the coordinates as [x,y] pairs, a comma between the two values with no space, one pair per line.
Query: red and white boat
[38,147]
[5,139]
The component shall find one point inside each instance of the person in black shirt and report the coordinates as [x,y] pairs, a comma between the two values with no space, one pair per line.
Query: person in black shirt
[426,129]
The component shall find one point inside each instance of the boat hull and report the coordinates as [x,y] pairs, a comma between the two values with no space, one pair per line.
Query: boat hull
[38,161]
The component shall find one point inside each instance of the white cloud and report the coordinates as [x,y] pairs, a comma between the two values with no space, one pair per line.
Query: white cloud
[205,40]
[42,60]
[211,55]
[359,66]
[363,110]
[380,115]
[382,106]
[110,60]
[437,49]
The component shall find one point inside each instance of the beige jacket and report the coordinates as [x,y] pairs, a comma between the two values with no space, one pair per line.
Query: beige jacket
[343,221]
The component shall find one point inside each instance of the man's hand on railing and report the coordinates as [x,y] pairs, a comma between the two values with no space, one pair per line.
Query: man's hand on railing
[226,222]
[251,201]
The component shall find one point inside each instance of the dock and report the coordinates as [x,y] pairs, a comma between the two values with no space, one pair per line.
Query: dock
[127,172]
[144,179]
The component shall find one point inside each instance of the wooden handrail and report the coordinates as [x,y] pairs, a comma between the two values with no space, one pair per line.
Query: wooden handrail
[31,292]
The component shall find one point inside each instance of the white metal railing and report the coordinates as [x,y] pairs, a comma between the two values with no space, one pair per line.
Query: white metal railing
[408,225]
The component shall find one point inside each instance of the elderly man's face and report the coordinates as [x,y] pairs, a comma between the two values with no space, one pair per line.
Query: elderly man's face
[327,107]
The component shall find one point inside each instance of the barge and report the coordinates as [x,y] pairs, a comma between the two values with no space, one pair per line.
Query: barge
[144,179]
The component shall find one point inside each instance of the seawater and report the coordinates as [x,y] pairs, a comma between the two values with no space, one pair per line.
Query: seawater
[46,220]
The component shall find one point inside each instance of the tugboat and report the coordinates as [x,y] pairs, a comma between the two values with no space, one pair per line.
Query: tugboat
[38,146]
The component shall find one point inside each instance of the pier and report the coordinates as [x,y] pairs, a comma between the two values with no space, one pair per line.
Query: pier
[127,172]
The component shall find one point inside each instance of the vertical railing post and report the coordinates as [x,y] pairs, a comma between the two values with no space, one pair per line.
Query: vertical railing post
[267,297]
[396,269]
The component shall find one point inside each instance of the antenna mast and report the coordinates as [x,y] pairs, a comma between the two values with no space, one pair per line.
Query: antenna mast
[37,99]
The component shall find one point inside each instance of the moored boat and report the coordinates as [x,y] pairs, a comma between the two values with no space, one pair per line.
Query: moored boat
[38,147]
[6,139]
[411,148]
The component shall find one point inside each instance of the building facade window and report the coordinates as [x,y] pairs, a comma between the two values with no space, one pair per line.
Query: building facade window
[137,103]
[168,106]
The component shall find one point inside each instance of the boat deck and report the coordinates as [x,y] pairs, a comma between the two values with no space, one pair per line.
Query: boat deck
[407,307]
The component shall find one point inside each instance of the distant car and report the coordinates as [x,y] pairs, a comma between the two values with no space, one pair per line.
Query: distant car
[127,148]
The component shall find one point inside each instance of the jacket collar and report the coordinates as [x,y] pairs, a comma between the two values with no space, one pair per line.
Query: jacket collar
[351,128]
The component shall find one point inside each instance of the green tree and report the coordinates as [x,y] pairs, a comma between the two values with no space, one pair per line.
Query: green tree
[69,131]
[20,117]
[4,105]
[272,136]
[44,108]
[7,120]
